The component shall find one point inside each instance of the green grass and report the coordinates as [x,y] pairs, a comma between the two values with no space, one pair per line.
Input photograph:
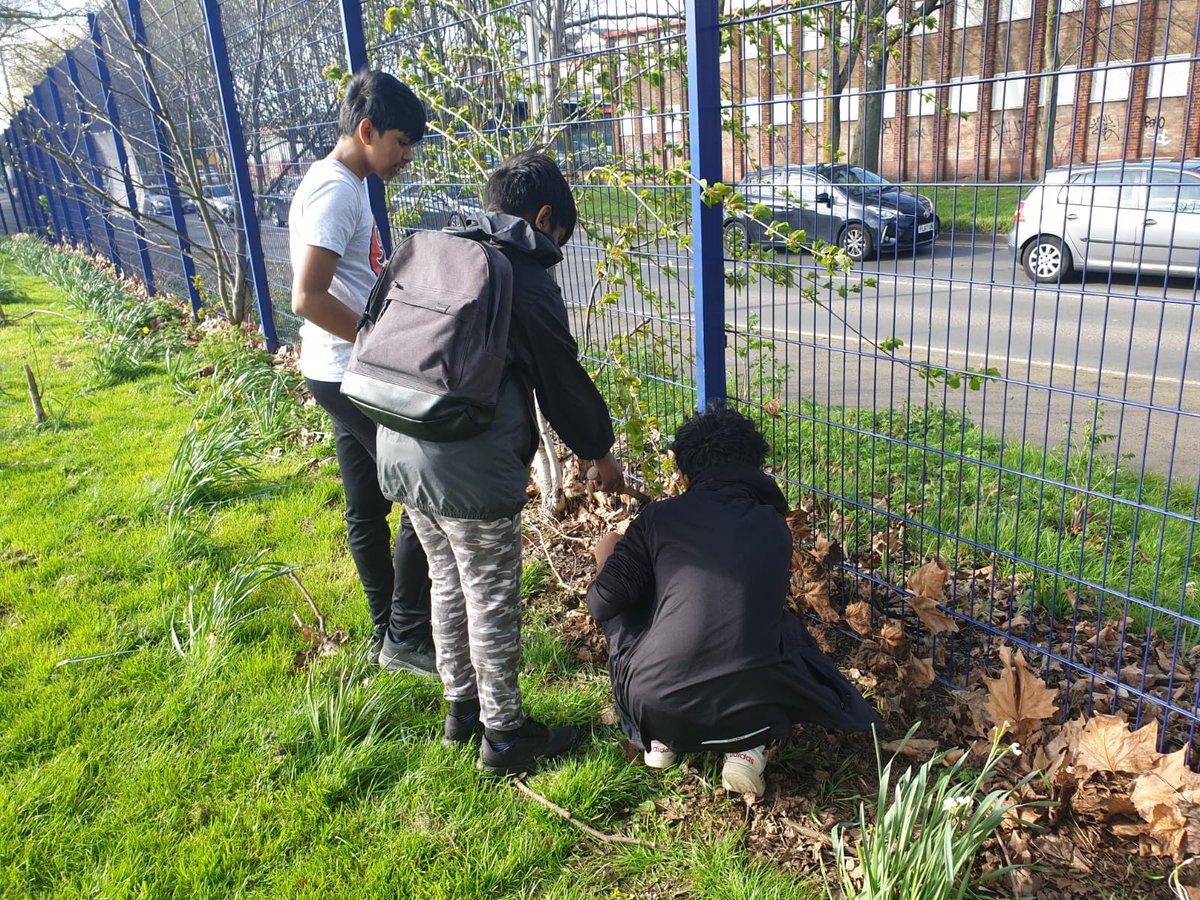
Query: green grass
[969,208]
[156,774]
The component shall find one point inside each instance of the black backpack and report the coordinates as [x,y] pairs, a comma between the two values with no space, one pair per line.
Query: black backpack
[433,341]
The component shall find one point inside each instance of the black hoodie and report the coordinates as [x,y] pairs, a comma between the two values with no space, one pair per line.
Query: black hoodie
[700,641]
[484,477]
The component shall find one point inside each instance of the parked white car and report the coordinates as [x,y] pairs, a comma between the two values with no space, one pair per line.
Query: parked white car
[1118,216]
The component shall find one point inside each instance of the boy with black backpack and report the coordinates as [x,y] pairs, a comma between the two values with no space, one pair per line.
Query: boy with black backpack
[465,496]
[336,255]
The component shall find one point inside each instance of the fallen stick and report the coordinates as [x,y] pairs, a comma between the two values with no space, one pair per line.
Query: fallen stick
[311,602]
[550,562]
[583,826]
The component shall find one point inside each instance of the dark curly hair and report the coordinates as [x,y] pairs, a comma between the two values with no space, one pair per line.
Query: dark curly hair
[717,438]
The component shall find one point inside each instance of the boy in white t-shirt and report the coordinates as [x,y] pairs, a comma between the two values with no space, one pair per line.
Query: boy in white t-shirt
[336,254]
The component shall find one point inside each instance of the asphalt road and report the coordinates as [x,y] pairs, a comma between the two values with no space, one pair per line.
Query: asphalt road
[1127,346]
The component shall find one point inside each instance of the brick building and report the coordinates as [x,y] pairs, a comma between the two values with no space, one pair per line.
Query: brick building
[1008,87]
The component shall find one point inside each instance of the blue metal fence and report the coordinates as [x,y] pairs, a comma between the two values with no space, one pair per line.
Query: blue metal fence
[947,251]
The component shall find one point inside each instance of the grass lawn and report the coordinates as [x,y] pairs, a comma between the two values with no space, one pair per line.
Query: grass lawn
[968,208]
[227,771]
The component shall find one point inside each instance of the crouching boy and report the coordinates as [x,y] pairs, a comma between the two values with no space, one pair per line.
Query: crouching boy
[465,497]
[703,654]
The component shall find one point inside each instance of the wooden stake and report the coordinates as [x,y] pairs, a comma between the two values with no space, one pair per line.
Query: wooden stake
[36,398]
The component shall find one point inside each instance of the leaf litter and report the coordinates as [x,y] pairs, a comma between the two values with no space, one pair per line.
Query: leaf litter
[1110,796]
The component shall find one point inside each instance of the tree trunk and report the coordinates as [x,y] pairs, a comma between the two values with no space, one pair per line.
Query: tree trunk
[868,149]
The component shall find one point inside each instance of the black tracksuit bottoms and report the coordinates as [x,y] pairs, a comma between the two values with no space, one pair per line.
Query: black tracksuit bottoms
[395,580]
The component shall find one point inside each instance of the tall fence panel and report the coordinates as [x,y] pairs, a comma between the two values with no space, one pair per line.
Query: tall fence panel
[947,252]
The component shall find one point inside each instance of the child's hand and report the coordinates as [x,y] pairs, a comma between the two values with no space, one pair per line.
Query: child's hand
[610,475]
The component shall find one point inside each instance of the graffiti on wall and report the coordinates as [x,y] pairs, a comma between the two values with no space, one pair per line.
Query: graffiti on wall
[1105,126]
[1008,132]
[1154,129]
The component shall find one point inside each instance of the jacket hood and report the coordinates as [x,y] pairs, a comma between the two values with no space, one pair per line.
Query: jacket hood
[747,480]
[516,233]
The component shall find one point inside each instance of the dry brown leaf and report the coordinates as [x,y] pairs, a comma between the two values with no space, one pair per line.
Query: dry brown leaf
[816,595]
[892,639]
[1107,745]
[929,580]
[934,620]
[858,617]
[1164,796]
[1102,801]
[1019,696]
[773,408]
[918,672]
[826,552]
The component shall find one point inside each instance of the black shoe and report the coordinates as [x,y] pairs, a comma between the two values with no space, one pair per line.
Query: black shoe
[408,656]
[520,750]
[462,723]
[376,644]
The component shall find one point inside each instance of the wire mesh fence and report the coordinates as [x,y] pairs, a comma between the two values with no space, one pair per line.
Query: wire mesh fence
[954,275]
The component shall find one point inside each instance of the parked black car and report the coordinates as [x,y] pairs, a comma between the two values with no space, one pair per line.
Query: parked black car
[845,205]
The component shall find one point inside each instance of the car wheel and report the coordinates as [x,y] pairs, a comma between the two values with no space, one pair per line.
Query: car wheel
[1047,260]
[456,221]
[856,241]
[737,239]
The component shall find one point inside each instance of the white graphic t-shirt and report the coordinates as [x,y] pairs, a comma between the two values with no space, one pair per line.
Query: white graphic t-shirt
[330,209]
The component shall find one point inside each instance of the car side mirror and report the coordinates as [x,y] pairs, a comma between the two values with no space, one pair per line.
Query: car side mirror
[825,199]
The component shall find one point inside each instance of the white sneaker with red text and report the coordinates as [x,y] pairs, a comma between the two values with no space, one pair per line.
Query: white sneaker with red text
[659,756]
[743,771]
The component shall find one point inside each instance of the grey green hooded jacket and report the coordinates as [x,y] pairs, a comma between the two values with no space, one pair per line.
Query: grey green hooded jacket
[484,477]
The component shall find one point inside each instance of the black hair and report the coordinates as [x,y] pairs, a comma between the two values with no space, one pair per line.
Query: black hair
[715,439]
[523,184]
[383,99]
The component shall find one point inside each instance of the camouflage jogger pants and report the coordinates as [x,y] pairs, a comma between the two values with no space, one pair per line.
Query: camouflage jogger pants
[476,571]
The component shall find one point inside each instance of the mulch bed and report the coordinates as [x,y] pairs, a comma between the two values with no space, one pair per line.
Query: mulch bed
[1089,842]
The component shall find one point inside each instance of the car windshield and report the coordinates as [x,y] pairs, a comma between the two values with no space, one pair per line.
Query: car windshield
[856,179]
[217,192]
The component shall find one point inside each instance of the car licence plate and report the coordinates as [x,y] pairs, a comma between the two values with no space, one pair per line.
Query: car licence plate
[925,229]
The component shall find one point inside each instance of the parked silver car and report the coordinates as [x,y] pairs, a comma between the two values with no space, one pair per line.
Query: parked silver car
[1118,216]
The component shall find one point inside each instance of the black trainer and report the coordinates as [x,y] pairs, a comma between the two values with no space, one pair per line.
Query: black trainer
[408,656]
[520,750]
[462,723]
[376,644]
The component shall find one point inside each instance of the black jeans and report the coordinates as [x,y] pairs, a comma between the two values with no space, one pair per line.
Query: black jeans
[396,581]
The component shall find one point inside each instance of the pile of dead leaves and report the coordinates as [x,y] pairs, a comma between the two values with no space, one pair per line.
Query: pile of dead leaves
[1107,795]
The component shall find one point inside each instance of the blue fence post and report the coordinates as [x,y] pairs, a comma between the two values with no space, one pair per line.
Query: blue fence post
[110,109]
[18,180]
[54,187]
[5,156]
[33,187]
[356,57]
[89,147]
[68,141]
[708,250]
[241,170]
[164,155]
